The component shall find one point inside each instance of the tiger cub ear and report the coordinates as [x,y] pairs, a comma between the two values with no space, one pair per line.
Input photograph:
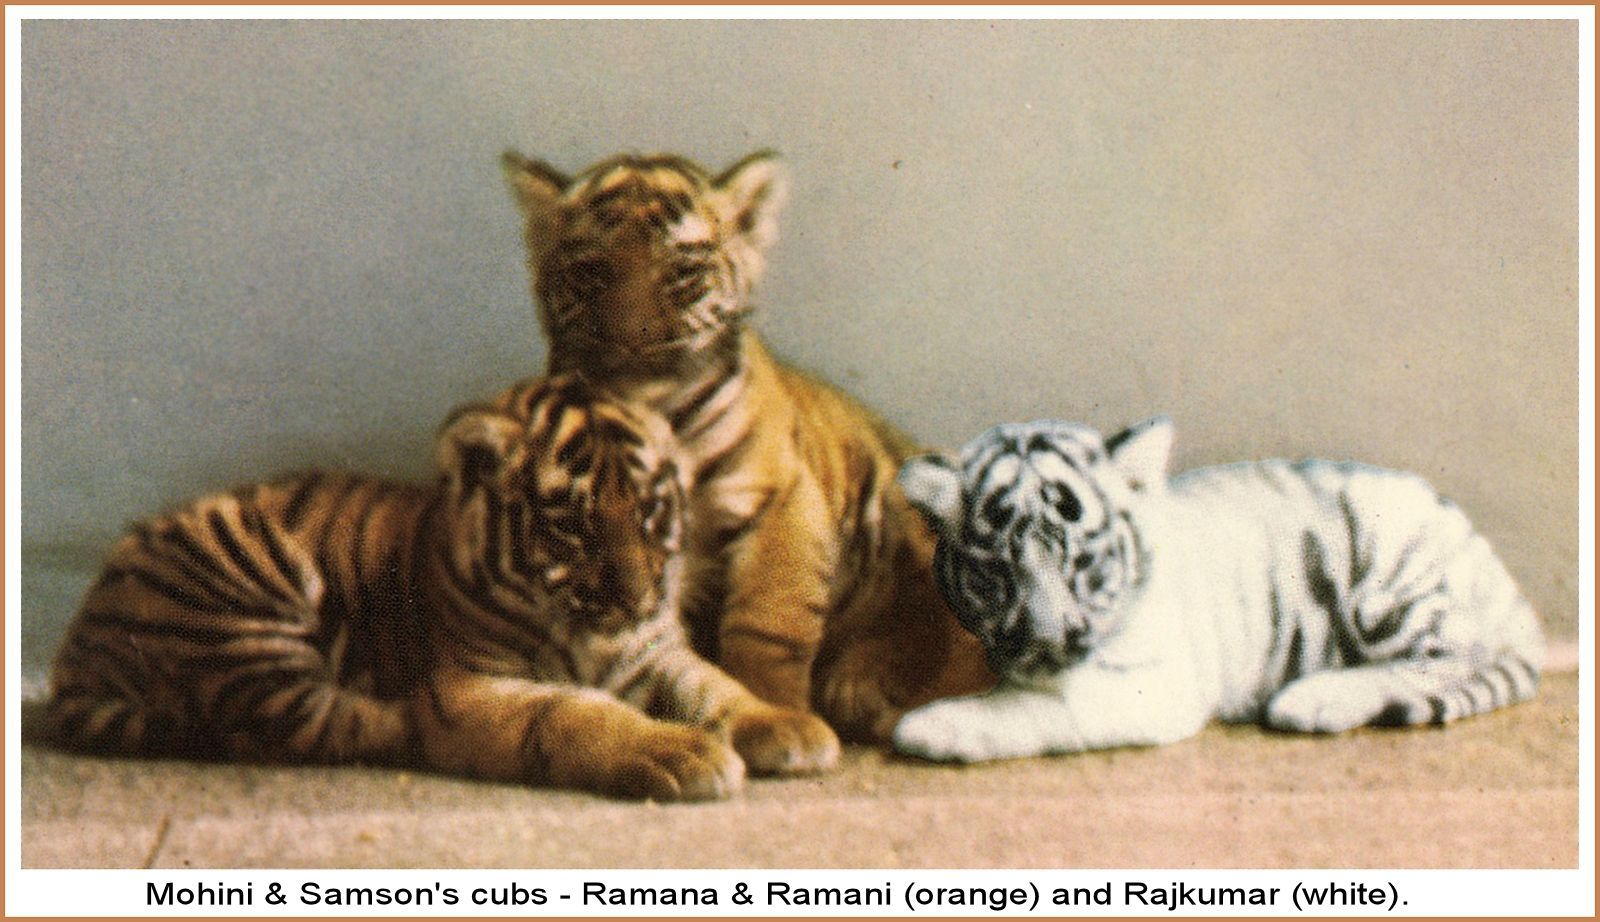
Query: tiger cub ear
[932,484]
[752,192]
[538,188]
[1142,451]
[536,184]
[476,445]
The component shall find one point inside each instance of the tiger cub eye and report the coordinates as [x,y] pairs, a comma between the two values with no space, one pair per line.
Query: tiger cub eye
[1068,505]
[996,513]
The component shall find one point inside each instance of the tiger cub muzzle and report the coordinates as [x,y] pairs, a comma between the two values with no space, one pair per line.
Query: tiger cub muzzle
[621,580]
[630,302]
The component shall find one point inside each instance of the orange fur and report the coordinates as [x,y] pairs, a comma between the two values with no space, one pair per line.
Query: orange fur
[518,620]
[810,578]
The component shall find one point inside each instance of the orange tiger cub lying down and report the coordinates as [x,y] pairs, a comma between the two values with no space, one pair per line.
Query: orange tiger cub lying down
[518,620]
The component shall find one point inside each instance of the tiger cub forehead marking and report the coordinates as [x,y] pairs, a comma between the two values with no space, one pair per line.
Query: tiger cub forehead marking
[694,228]
[575,439]
[596,444]
[1051,466]
[569,423]
[1002,473]
[664,195]
[663,176]
[1040,466]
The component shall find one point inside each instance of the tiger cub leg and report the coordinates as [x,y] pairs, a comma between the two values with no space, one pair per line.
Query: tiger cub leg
[866,704]
[1401,692]
[511,729]
[252,698]
[197,640]
[1086,707]
[901,647]
[106,698]
[772,740]
[307,717]
[779,590]
[1437,649]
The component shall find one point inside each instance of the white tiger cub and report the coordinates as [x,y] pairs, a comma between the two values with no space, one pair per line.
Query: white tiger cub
[1122,608]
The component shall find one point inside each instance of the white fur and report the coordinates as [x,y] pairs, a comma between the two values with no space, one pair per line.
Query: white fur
[1225,546]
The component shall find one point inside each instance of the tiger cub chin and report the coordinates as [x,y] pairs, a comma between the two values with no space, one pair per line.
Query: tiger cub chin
[516,620]
[1122,608]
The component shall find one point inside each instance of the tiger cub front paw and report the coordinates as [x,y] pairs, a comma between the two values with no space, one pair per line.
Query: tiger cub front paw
[783,741]
[944,731]
[669,762]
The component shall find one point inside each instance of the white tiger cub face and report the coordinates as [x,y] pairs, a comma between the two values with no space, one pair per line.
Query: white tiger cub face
[1039,548]
[564,505]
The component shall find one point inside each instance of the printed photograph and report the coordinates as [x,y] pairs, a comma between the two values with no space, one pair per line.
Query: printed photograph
[829,444]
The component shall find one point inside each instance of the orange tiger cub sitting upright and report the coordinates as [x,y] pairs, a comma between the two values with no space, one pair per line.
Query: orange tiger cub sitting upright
[810,578]
[514,621]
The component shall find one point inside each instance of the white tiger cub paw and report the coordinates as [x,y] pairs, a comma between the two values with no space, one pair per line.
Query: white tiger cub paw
[954,730]
[1326,702]
[937,732]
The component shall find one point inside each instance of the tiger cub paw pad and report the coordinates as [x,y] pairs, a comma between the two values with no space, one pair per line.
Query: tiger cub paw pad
[677,764]
[780,741]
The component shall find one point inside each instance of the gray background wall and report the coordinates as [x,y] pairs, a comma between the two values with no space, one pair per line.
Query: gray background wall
[250,247]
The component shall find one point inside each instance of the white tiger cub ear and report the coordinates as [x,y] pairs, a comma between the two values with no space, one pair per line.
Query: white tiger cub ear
[1142,451]
[476,444]
[752,193]
[932,484]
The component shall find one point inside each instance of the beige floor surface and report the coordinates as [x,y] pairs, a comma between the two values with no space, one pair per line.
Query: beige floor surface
[1499,790]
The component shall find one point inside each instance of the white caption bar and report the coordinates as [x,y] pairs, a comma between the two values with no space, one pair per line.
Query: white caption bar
[798,893]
